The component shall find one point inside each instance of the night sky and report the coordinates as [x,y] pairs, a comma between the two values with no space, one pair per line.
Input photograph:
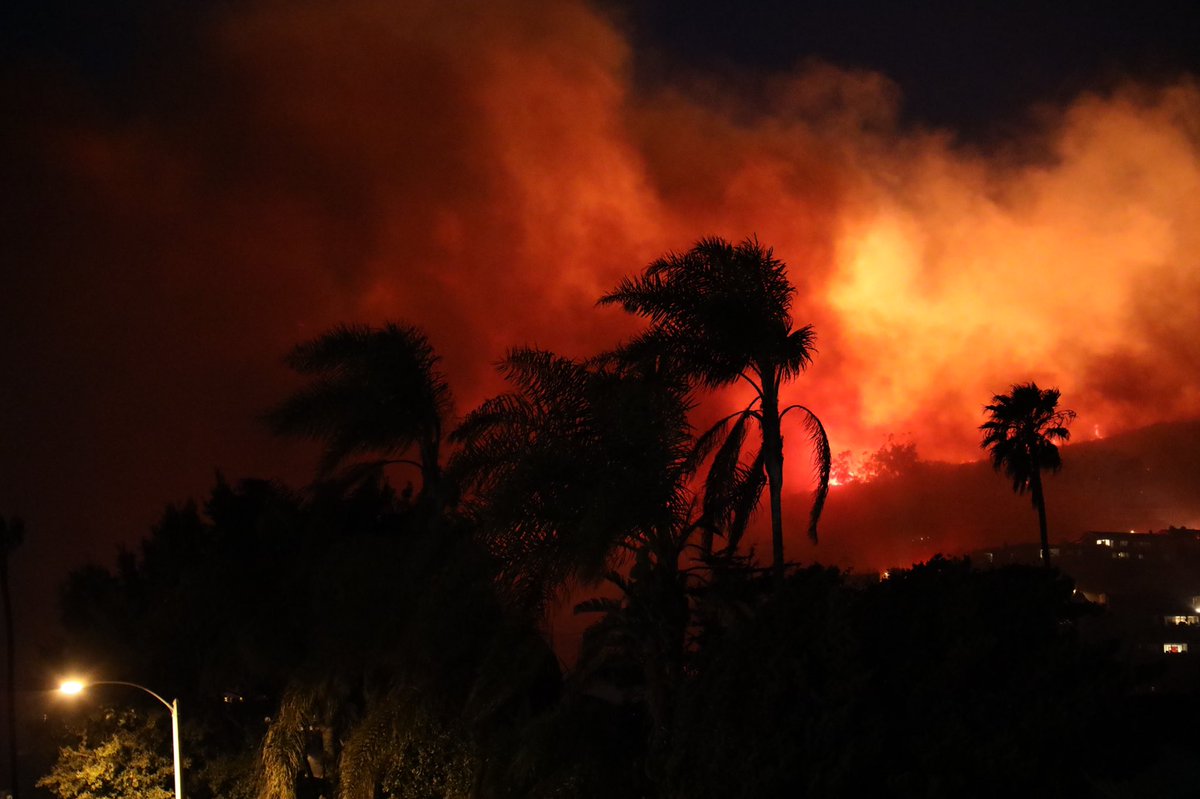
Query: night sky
[967,198]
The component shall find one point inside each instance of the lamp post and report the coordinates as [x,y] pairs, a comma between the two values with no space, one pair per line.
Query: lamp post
[74,687]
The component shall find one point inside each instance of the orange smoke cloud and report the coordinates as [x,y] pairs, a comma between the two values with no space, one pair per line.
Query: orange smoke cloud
[958,275]
[504,171]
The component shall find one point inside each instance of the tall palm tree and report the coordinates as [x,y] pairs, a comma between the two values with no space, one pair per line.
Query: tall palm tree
[1020,434]
[723,313]
[373,391]
[12,532]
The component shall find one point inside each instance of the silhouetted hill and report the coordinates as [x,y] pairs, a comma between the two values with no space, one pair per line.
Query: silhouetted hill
[1146,479]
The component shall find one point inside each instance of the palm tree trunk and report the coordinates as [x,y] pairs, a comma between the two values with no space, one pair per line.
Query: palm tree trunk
[773,463]
[431,470]
[1039,502]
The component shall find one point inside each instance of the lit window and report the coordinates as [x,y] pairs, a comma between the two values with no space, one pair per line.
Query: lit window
[1120,554]
[1104,542]
[1189,619]
[1174,649]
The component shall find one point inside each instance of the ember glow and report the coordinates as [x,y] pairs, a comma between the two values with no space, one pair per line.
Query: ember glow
[486,171]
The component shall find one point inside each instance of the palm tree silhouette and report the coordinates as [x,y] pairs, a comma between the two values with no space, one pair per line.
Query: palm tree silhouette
[373,391]
[12,533]
[584,460]
[723,313]
[1020,434]
[584,466]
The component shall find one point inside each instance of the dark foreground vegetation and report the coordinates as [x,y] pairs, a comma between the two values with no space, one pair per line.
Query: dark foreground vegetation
[357,641]
[324,645]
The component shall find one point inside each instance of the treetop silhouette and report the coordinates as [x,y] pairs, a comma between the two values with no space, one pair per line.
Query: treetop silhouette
[1020,436]
[721,313]
[372,391]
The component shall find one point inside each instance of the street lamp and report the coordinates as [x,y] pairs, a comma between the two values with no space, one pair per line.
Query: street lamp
[75,687]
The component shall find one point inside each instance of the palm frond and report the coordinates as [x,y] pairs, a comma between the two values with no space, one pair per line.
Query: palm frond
[1020,432]
[373,390]
[721,308]
[797,352]
[822,465]
[710,440]
[744,500]
[597,605]
[580,460]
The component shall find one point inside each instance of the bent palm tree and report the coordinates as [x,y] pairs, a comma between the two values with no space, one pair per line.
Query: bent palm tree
[373,390]
[722,312]
[1020,435]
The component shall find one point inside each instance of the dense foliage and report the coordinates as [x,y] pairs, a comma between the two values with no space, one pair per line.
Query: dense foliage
[113,759]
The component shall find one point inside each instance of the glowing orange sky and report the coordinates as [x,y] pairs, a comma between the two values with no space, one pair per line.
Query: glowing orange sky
[512,174]
[488,174]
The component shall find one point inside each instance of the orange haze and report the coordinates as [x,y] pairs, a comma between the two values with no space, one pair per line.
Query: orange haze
[487,172]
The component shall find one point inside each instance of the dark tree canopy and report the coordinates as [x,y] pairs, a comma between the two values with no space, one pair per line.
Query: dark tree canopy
[372,391]
[723,310]
[1021,432]
[583,463]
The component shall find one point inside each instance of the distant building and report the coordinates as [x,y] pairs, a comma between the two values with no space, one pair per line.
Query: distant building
[1149,586]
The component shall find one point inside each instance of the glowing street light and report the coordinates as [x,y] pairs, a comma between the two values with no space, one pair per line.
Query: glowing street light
[76,687]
